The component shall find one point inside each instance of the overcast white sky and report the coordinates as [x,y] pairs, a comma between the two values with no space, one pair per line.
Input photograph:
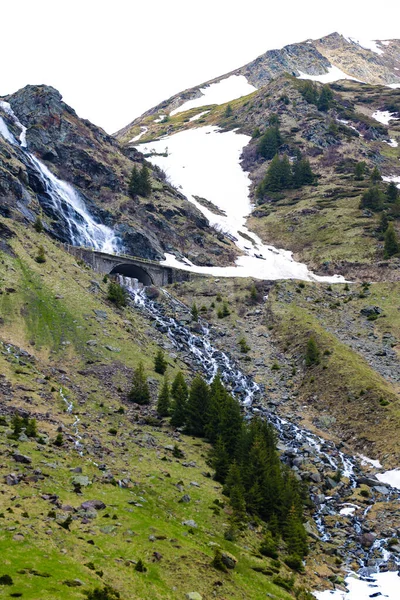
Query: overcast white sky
[113,60]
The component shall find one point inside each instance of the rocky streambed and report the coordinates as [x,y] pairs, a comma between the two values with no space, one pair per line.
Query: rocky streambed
[355,518]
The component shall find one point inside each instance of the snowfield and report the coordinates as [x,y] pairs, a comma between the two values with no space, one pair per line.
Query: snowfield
[333,74]
[390,477]
[384,585]
[228,89]
[384,116]
[205,162]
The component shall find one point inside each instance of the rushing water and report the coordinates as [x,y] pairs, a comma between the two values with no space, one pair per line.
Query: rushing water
[60,199]
[204,355]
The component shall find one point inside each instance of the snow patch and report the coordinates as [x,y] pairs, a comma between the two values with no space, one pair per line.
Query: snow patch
[392,143]
[394,86]
[348,509]
[384,116]
[190,154]
[367,44]
[369,461]
[228,89]
[383,585]
[160,119]
[196,117]
[391,477]
[333,74]
[141,134]
[393,178]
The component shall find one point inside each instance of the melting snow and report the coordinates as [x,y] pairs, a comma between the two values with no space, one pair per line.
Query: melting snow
[230,88]
[141,134]
[348,509]
[367,44]
[160,119]
[395,179]
[333,74]
[191,154]
[199,115]
[392,143]
[391,477]
[384,585]
[365,460]
[384,116]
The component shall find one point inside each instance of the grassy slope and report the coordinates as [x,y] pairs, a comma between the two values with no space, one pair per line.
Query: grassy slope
[361,404]
[52,304]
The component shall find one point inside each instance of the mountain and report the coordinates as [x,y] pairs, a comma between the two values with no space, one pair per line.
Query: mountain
[279,478]
[99,170]
[332,57]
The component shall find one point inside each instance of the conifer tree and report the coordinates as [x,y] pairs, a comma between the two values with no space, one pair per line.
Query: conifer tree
[312,353]
[375,175]
[391,246]
[217,399]
[140,392]
[164,400]
[371,199]
[220,460]
[179,393]
[134,184]
[195,312]
[383,223]
[197,407]
[38,224]
[392,193]
[231,424]
[160,364]
[325,98]
[269,143]
[294,533]
[144,182]
[117,294]
[359,171]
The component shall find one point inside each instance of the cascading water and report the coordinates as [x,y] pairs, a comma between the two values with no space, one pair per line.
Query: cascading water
[295,439]
[61,200]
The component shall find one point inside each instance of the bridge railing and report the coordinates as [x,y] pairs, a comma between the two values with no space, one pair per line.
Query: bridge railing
[119,255]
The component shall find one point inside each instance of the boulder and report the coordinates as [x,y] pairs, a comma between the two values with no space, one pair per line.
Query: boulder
[194,596]
[21,458]
[228,560]
[92,505]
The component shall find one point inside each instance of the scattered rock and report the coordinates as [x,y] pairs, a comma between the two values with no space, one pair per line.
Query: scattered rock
[190,523]
[21,458]
[186,498]
[92,504]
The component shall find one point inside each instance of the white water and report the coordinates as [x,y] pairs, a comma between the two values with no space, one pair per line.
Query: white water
[205,150]
[69,409]
[62,199]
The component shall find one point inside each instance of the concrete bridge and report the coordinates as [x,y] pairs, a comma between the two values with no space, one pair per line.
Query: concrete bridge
[148,272]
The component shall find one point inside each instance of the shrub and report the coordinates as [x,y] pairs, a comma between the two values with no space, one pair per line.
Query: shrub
[117,294]
[243,345]
[105,593]
[294,562]
[217,562]
[6,580]
[391,247]
[140,392]
[312,353]
[160,364]
[38,225]
[268,546]
[40,258]
[59,441]
[140,566]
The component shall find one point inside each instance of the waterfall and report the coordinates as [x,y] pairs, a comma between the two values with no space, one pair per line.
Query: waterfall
[61,199]
[295,439]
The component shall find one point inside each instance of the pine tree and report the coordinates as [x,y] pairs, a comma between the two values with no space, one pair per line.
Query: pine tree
[392,193]
[359,171]
[375,175]
[269,143]
[179,393]
[383,223]
[197,407]
[371,199]
[117,294]
[140,392]
[272,180]
[144,182]
[218,396]
[164,399]
[160,364]
[228,111]
[391,246]
[38,225]
[294,534]
[195,312]
[231,424]
[325,98]
[220,460]
[134,182]
[312,353]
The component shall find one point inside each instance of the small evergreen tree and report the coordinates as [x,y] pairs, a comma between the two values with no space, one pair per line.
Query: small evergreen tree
[220,460]
[38,225]
[179,393]
[309,91]
[144,182]
[371,199]
[391,246]
[17,425]
[139,392]
[268,546]
[359,171]
[243,345]
[41,257]
[269,143]
[59,441]
[117,294]
[160,364]
[375,175]
[197,407]
[164,399]
[228,111]
[392,193]
[312,353]
[30,427]
[195,312]
[383,223]
[325,99]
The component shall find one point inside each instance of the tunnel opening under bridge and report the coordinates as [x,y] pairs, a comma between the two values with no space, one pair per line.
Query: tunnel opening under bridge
[133,271]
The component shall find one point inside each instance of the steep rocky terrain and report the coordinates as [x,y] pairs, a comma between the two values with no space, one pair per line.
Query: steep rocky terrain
[94,163]
[379,65]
